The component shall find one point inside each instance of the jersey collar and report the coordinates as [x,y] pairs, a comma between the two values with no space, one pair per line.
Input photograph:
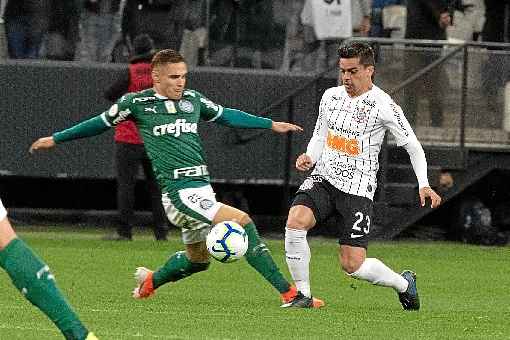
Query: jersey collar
[157,95]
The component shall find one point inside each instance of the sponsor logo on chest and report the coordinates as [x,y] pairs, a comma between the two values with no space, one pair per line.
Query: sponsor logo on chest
[344,170]
[343,144]
[176,129]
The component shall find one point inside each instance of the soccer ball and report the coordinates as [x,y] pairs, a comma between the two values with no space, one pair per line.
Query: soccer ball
[227,241]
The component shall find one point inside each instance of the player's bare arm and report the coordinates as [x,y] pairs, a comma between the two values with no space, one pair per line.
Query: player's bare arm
[42,143]
[284,127]
[434,197]
[304,162]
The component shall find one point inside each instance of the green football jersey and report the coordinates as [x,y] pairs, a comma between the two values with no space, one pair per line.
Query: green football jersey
[169,131]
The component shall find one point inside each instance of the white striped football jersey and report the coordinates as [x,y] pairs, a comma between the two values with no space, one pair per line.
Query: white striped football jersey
[348,136]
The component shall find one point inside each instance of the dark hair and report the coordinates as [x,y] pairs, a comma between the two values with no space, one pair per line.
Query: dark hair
[167,56]
[357,49]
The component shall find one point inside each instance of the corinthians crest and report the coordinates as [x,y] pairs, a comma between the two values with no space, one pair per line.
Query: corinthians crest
[361,114]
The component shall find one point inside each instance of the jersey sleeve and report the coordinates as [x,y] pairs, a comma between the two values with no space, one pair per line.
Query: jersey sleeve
[96,125]
[397,123]
[318,140]
[118,112]
[209,111]
[241,119]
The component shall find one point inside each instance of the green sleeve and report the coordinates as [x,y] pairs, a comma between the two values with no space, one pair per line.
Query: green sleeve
[91,127]
[241,119]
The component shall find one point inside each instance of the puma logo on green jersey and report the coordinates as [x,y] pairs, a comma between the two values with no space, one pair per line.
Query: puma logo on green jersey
[180,126]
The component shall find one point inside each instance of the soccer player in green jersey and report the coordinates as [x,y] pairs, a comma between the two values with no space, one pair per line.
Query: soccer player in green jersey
[167,117]
[32,277]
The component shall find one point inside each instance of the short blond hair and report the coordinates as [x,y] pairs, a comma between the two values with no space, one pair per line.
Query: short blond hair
[167,56]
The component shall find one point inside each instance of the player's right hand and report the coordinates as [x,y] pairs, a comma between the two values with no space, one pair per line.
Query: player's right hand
[304,162]
[42,143]
[435,199]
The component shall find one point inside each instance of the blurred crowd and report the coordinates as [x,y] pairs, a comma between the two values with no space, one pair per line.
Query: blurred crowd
[278,34]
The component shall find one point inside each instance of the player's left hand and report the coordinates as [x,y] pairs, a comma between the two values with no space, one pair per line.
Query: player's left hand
[434,197]
[42,143]
[283,127]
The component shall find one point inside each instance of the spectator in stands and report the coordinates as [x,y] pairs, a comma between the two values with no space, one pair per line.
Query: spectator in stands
[319,16]
[63,33]
[258,29]
[4,53]
[242,32]
[361,13]
[223,32]
[377,28]
[496,68]
[295,49]
[496,11]
[26,22]
[162,20]
[97,30]
[467,21]
[194,37]
[426,19]
[129,149]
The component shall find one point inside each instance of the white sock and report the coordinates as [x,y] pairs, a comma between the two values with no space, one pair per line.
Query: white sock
[376,272]
[297,254]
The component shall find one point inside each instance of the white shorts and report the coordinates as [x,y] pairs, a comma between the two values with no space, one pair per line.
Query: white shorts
[192,210]
[3,212]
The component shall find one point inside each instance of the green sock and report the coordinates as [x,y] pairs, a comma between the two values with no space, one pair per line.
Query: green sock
[259,257]
[33,279]
[176,268]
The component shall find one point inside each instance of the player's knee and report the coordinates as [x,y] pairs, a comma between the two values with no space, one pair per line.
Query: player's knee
[296,222]
[244,219]
[300,219]
[228,213]
[240,217]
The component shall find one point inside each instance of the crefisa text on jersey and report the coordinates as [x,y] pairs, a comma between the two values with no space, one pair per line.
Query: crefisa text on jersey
[180,126]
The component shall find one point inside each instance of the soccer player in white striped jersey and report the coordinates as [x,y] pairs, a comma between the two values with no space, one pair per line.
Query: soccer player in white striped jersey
[353,119]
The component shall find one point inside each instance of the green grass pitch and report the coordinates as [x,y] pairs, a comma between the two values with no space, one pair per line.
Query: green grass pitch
[464,292]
